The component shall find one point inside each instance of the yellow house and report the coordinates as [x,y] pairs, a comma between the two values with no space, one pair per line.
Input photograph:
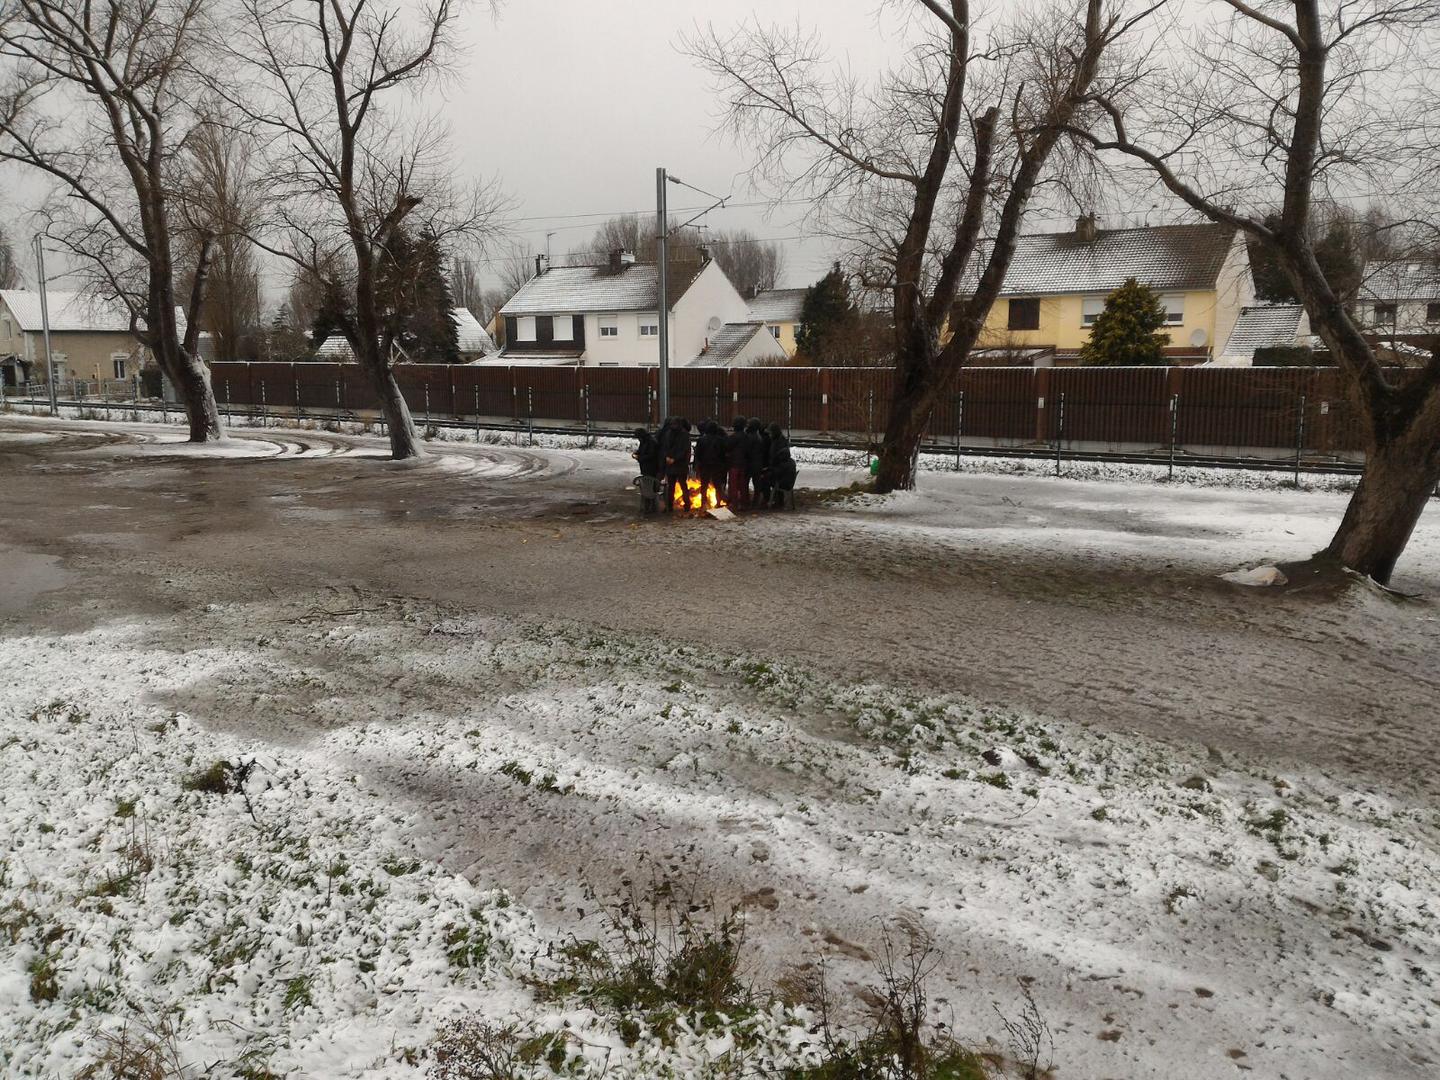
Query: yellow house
[779,310]
[1058,283]
[90,339]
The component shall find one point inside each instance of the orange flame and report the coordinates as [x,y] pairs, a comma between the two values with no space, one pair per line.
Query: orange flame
[691,496]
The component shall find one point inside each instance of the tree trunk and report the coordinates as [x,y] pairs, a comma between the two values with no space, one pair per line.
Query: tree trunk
[404,442]
[911,404]
[198,397]
[1401,471]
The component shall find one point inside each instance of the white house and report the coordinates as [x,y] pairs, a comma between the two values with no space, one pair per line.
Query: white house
[608,316]
[1400,300]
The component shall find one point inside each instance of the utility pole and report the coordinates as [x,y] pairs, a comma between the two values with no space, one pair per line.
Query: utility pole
[662,238]
[45,325]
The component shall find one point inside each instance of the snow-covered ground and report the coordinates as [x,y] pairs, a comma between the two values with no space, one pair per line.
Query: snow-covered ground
[1148,828]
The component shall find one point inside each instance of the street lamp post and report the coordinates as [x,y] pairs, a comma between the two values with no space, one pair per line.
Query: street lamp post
[45,325]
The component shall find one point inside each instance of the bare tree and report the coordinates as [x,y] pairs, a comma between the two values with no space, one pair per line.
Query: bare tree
[933,167]
[219,199]
[750,262]
[9,270]
[350,164]
[1282,104]
[97,97]
[465,286]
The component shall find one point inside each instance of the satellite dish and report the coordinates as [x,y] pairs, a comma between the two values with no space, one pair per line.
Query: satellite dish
[712,326]
[1198,338]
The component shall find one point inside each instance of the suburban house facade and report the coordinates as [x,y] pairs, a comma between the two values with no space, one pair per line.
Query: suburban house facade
[1400,302]
[779,310]
[473,340]
[90,338]
[1058,283]
[607,315]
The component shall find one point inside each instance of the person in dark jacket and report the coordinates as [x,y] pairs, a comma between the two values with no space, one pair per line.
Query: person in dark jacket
[710,457]
[675,457]
[737,479]
[781,469]
[758,460]
[647,456]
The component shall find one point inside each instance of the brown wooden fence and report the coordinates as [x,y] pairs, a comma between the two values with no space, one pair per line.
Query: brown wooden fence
[1219,408]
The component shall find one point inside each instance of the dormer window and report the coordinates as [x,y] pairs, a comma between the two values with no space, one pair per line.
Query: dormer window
[562,327]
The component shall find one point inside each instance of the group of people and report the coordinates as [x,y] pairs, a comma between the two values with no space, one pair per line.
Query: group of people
[749,467]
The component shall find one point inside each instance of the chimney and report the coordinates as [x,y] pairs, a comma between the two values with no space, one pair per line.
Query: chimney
[704,254]
[620,259]
[752,291]
[1085,230]
[539,265]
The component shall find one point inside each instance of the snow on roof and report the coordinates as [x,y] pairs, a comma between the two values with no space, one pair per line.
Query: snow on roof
[70,312]
[567,359]
[1266,326]
[1401,281]
[778,305]
[473,339]
[729,341]
[563,290]
[1161,257]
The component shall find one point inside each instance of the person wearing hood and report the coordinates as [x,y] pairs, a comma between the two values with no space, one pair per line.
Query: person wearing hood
[781,469]
[759,456]
[675,457]
[710,457]
[737,478]
[647,456]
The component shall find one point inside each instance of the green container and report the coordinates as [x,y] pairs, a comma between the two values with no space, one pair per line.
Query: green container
[874,466]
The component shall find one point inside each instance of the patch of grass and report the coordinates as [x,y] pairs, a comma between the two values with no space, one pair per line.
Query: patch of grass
[396,866]
[996,780]
[467,946]
[517,772]
[44,978]
[125,808]
[297,993]
[1100,813]
[218,778]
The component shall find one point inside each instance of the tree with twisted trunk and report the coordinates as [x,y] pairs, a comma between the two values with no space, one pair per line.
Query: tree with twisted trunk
[97,98]
[352,162]
[928,174]
[1282,104]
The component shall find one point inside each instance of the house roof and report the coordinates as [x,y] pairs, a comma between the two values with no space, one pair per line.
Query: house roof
[562,359]
[729,341]
[563,290]
[1179,257]
[778,305]
[1401,281]
[70,312]
[1266,326]
[472,338]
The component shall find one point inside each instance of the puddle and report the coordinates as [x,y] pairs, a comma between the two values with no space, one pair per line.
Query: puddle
[24,575]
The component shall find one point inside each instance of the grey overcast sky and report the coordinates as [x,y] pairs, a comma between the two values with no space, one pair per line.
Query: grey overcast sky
[573,104]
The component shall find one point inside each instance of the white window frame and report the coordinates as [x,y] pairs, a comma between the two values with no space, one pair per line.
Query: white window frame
[119,364]
[774,331]
[1174,305]
[608,325]
[649,325]
[556,321]
[1090,309]
[525,328]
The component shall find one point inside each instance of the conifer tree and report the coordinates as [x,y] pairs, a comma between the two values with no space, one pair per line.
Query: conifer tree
[828,321]
[1125,333]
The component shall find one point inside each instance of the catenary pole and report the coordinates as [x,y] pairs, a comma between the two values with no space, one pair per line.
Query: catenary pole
[45,325]
[662,228]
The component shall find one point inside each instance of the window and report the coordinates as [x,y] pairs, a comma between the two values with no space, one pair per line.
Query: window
[609,325]
[563,327]
[1024,314]
[1384,313]
[1432,312]
[1174,306]
[1090,309]
[649,325]
[525,328]
[774,332]
[119,362]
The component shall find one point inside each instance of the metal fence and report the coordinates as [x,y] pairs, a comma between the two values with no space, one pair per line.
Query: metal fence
[1265,411]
